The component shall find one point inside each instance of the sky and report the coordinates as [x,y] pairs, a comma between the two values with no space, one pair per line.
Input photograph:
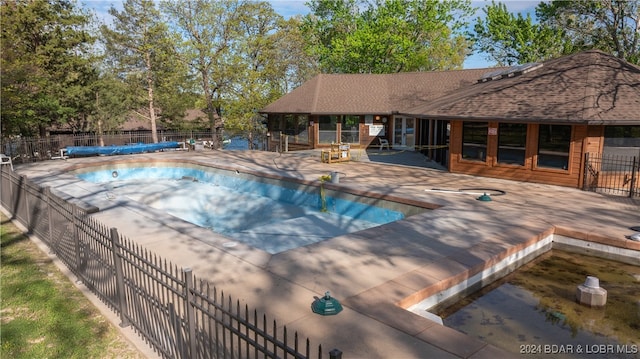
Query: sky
[288,8]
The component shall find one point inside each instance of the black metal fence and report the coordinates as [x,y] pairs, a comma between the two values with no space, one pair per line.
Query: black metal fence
[32,149]
[177,315]
[612,174]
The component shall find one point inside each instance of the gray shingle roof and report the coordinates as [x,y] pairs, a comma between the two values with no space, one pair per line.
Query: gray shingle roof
[589,87]
[371,93]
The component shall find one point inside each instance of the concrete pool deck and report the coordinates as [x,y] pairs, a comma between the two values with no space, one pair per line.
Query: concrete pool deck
[370,272]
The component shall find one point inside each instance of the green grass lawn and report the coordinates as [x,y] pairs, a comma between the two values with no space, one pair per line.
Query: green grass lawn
[42,314]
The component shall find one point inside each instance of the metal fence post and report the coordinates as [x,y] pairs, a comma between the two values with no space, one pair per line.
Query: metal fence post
[27,215]
[189,312]
[635,168]
[76,239]
[585,174]
[47,193]
[121,291]
[335,354]
[180,349]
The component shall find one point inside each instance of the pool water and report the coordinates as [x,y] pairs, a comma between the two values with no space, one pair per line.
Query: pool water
[533,311]
[263,215]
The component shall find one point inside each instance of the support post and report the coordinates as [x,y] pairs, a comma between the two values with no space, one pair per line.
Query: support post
[585,174]
[76,239]
[27,216]
[47,193]
[120,287]
[335,354]
[635,168]
[181,349]
[190,315]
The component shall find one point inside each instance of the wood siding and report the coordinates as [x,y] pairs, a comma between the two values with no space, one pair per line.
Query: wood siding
[583,138]
[593,142]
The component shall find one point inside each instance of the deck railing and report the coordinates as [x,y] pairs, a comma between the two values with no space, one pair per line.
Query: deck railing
[177,315]
[612,174]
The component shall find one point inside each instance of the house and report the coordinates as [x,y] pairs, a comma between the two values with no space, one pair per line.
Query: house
[533,122]
[360,108]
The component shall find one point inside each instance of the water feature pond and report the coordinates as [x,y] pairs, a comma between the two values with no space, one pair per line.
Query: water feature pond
[533,311]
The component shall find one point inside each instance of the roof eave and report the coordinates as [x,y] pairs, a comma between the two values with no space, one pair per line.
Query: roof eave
[625,122]
[527,120]
[321,113]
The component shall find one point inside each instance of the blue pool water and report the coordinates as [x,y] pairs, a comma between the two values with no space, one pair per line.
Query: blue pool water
[263,214]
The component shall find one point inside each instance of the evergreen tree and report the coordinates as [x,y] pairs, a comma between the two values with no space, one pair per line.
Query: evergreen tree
[46,67]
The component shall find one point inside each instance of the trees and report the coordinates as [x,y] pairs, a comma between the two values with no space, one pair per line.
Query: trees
[140,46]
[510,39]
[612,26]
[385,36]
[46,66]
[111,104]
[564,27]
[244,54]
[260,63]
[295,65]
[206,30]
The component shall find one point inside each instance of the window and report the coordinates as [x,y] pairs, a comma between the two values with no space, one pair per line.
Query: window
[512,142]
[275,123]
[296,127]
[350,132]
[474,140]
[553,146]
[327,129]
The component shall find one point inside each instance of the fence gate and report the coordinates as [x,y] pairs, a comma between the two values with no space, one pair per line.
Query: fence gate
[612,174]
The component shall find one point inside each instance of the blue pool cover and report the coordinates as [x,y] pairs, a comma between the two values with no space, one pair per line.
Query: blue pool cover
[119,150]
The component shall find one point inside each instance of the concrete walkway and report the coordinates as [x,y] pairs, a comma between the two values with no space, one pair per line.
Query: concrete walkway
[373,271]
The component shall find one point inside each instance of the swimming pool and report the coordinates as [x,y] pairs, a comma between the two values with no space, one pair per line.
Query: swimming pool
[270,214]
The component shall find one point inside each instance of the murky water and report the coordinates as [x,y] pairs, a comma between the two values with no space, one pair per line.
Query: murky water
[533,311]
